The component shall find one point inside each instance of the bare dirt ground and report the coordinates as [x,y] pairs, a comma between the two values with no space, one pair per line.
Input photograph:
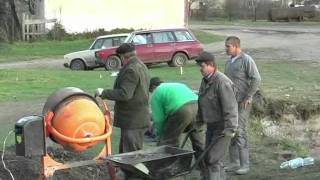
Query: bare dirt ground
[288,43]
[35,64]
[277,43]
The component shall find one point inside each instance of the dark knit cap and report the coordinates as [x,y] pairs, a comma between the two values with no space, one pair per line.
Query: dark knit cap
[205,57]
[155,81]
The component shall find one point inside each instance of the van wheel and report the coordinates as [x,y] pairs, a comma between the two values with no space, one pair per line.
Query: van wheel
[77,65]
[179,59]
[113,63]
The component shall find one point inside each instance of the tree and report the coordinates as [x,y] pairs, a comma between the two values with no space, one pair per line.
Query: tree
[230,8]
[10,25]
[189,6]
[253,6]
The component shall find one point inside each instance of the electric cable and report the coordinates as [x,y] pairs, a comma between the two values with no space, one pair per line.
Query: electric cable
[3,151]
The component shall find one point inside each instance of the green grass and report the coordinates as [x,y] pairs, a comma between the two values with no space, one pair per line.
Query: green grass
[31,84]
[23,51]
[288,80]
[280,80]
[207,38]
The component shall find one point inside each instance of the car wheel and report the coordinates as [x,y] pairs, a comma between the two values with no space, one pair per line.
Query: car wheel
[179,59]
[77,65]
[113,63]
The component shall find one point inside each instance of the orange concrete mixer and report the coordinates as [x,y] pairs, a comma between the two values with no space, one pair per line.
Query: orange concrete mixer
[74,119]
[77,121]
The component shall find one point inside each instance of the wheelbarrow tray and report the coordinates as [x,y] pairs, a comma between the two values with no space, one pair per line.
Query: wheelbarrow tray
[156,163]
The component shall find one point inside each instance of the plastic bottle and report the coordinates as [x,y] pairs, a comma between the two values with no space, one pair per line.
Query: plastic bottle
[298,162]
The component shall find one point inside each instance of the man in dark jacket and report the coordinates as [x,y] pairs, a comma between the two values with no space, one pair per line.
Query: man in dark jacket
[131,96]
[219,110]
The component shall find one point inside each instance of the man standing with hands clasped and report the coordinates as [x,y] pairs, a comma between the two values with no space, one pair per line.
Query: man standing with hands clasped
[243,72]
[219,110]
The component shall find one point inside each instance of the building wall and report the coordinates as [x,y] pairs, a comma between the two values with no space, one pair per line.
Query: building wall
[89,15]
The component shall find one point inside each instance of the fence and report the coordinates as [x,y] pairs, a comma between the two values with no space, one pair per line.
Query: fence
[34,28]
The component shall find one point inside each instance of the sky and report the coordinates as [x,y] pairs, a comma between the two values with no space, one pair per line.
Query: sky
[89,15]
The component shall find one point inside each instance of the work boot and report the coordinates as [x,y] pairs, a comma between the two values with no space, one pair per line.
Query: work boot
[234,159]
[214,173]
[223,175]
[243,170]
[214,176]
[244,161]
[232,167]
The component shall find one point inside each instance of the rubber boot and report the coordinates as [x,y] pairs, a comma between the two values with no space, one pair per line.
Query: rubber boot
[214,172]
[234,159]
[214,175]
[223,175]
[244,162]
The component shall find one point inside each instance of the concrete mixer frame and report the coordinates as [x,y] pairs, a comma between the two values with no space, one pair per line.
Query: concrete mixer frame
[49,165]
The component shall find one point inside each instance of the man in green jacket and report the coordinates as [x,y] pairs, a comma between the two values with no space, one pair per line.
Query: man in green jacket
[243,72]
[174,111]
[131,96]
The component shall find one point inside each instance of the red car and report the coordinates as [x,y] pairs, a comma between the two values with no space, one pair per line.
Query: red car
[174,46]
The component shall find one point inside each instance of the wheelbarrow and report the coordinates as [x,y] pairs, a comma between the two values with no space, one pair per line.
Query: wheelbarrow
[159,163]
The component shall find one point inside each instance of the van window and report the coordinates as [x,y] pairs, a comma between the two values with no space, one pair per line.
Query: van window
[102,43]
[107,43]
[97,44]
[122,39]
[163,37]
[183,36]
[116,41]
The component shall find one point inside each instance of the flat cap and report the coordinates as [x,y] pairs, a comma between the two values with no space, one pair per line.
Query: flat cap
[125,48]
[205,57]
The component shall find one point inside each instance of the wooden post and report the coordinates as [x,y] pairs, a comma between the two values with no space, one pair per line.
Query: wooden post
[27,32]
[23,27]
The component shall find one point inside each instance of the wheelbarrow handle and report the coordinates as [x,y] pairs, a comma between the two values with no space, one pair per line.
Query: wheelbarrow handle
[207,149]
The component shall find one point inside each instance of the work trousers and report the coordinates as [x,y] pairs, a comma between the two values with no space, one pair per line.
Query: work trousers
[131,140]
[239,148]
[183,120]
[217,152]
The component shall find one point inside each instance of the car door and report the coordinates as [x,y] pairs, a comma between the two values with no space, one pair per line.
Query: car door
[98,44]
[163,45]
[144,46]
[186,42]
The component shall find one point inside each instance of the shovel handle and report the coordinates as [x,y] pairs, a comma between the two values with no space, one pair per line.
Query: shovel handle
[207,149]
